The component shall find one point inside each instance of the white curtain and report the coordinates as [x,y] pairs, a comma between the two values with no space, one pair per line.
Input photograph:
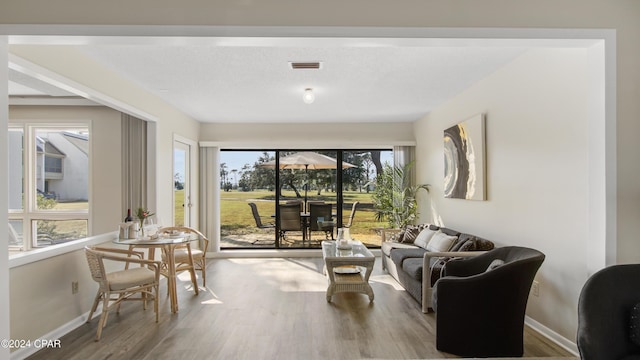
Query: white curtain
[209,192]
[134,163]
[403,155]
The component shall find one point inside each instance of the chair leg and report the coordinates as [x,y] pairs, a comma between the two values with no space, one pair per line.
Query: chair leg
[144,299]
[103,317]
[120,297]
[155,299]
[203,268]
[95,305]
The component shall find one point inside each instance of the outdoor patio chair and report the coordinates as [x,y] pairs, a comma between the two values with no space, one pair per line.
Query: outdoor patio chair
[258,218]
[198,256]
[123,284]
[290,219]
[313,202]
[320,220]
[300,203]
[353,214]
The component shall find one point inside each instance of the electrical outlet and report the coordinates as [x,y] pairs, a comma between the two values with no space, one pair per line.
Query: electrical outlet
[535,288]
[74,287]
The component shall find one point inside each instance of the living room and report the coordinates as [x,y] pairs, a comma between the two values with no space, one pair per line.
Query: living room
[518,133]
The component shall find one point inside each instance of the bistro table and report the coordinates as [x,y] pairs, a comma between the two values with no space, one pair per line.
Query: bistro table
[168,244]
[348,269]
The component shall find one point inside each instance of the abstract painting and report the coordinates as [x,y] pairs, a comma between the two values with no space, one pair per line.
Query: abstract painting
[464,158]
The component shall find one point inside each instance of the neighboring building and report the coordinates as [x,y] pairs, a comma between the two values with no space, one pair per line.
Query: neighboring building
[64,157]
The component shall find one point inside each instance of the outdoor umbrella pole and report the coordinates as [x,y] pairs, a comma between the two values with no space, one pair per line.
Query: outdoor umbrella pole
[306,185]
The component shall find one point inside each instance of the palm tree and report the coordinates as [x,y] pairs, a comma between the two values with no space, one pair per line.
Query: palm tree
[394,197]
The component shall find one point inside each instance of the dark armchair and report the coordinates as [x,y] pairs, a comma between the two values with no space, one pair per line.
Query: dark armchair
[609,314]
[480,303]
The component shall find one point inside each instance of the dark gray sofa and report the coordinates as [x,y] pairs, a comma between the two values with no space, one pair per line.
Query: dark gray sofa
[417,269]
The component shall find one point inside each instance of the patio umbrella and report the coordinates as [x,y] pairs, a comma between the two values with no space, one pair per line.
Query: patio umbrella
[306,160]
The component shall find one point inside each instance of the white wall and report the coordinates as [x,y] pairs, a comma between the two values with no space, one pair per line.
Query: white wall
[308,135]
[4,200]
[537,171]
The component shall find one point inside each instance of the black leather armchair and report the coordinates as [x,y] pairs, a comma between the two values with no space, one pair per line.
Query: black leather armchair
[480,312]
[605,314]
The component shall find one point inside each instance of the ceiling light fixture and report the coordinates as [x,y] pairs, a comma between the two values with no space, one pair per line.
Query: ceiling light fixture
[308,97]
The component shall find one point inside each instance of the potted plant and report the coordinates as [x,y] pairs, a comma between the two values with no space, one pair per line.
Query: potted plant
[395,198]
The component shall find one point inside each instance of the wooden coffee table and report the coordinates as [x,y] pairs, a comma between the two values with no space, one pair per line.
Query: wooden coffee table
[348,270]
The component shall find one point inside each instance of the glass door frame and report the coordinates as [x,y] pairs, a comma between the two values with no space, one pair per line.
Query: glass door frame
[188,146]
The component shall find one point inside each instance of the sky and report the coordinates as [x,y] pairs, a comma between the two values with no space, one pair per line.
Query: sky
[237,159]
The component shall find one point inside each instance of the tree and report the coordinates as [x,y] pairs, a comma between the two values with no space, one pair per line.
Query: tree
[245,178]
[375,159]
[394,197]
[178,184]
[261,177]
[235,176]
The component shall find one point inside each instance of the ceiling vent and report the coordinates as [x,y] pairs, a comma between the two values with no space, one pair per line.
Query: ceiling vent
[306,65]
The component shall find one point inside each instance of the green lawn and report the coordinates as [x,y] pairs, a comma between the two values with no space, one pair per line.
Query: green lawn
[178,211]
[236,217]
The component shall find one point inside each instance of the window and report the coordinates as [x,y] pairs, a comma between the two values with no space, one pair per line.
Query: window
[48,184]
[250,188]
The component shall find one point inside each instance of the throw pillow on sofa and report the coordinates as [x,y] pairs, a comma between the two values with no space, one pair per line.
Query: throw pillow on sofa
[424,237]
[441,242]
[411,232]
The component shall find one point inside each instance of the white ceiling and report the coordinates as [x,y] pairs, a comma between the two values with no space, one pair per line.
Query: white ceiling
[252,81]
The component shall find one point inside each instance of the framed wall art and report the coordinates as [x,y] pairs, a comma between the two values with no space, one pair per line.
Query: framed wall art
[464,160]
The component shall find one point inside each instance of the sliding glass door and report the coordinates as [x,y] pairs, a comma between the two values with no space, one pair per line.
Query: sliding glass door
[324,184]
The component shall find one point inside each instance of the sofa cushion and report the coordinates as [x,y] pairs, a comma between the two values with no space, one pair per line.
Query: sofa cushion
[464,237]
[469,245]
[399,255]
[387,246]
[450,231]
[456,245]
[424,237]
[413,267]
[483,244]
[441,242]
[436,268]
[410,233]
[396,237]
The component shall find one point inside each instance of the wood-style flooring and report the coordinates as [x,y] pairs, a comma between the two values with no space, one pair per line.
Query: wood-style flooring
[270,309]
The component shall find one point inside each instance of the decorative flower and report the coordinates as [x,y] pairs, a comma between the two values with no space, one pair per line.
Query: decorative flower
[143,213]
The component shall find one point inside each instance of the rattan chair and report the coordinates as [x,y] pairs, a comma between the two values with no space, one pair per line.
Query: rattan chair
[123,284]
[187,257]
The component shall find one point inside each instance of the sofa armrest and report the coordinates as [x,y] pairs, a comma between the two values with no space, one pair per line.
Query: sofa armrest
[427,290]
[387,233]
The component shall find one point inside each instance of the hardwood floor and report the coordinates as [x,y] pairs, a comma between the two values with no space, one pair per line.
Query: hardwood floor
[270,309]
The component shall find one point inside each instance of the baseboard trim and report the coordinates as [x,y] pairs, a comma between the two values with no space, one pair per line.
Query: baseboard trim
[53,335]
[560,340]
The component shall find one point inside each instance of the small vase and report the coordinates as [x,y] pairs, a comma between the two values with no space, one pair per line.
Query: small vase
[142,227]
